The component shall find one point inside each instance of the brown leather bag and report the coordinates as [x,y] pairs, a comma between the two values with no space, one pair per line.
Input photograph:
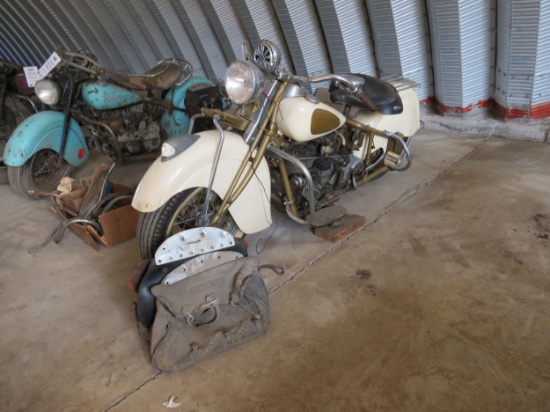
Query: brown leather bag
[208,313]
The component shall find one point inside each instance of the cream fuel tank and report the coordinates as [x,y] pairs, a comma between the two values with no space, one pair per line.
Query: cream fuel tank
[303,117]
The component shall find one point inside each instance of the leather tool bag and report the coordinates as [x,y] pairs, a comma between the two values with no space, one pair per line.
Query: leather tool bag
[208,313]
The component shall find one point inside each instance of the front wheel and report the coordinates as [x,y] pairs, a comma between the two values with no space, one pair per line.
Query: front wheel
[40,173]
[181,212]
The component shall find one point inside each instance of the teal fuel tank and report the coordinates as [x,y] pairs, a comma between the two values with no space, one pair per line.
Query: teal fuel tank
[105,96]
[176,122]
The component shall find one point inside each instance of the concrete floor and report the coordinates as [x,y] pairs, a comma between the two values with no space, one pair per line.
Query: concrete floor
[441,302]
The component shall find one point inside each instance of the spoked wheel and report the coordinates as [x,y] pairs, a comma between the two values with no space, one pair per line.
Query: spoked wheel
[40,173]
[183,211]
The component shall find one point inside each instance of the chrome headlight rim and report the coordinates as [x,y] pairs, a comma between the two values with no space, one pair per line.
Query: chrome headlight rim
[244,82]
[47,91]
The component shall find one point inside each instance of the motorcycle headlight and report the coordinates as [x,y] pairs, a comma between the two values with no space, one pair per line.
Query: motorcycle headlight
[243,82]
[47,91]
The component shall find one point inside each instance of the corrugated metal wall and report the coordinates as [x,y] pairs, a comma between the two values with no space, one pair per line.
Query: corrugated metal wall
[462,38]
[465,54]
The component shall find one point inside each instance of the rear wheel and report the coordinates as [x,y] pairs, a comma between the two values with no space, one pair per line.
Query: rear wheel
[181,212]
[40,173]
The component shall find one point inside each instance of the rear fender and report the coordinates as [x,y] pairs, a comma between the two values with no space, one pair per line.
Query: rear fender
[43,130]
[407,122]
[192,168]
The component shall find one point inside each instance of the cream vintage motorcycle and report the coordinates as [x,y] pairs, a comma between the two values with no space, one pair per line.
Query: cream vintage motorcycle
[283,146]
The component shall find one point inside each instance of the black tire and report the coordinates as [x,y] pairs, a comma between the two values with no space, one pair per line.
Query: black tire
[181,212]
[40,173]
[3,167]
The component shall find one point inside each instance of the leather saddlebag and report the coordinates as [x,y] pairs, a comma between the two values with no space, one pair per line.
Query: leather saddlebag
[208,313]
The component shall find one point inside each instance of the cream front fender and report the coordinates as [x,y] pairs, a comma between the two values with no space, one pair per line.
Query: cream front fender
[193,167]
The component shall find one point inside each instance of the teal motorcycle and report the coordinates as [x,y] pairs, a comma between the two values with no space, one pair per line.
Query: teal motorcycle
[125,117]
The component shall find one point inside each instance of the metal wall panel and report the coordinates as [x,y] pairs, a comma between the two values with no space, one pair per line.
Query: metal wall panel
[518,31]
[174,24]
[303,36]
[86,38]
[378,37]
[540,102]
[203,37]
[227,25]
[109,35]
[27,34]
[399,31]
[347,34]
[260,22]
[131,28]
[157,39]
[462,53]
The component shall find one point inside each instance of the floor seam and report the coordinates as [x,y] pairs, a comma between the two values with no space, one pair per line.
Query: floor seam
[128,394]
[398,202]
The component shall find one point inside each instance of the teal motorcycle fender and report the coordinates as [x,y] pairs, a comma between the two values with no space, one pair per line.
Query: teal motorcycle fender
[43,130]
[177,122]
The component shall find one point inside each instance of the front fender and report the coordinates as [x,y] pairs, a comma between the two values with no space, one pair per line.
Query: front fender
[43,130]
[192,168]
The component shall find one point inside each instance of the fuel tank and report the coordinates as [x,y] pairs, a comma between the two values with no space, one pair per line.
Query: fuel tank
[305,118]
[105,96]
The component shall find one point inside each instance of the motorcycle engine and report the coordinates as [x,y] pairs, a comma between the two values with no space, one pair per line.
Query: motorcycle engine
[141,132]
[330,170]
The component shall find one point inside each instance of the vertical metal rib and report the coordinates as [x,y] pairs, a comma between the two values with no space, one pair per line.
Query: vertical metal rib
[260,22]
[518,31]
[174,24]
[133,32]
[540,102]
[346,29]
[399,33]
[203,38]
[118,36]
[33,42]
[462,53]
[227,25]
[303,35]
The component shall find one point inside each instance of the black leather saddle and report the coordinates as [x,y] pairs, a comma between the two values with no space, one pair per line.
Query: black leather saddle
[381,96]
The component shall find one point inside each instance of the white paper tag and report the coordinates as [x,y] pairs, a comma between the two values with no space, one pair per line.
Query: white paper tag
[31,74]
[49,65]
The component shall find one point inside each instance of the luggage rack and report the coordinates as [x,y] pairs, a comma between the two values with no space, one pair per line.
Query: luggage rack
[401,83]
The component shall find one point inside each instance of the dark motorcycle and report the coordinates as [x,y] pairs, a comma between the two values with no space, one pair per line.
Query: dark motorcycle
[15,104]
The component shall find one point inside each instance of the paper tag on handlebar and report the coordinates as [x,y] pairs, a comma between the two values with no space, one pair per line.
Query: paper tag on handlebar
[49,65]
[31,74]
